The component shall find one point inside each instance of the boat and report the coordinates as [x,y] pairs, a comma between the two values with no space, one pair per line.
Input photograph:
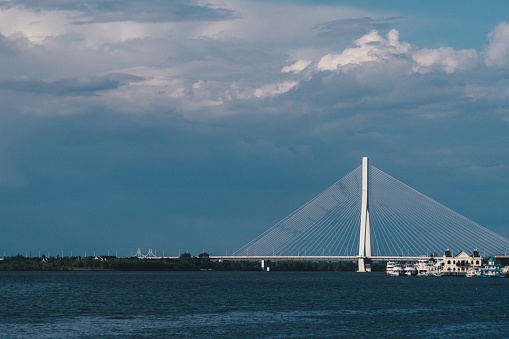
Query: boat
[490,270]
[473,272]
[424,267]
[409,269]
[389,267]
[394,269]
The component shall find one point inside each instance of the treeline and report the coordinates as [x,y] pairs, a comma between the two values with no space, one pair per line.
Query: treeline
[185,262]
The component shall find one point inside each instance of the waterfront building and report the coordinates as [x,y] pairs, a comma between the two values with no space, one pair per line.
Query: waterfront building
[459,263]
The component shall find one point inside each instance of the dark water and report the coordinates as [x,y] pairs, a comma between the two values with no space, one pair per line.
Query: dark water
[249,305]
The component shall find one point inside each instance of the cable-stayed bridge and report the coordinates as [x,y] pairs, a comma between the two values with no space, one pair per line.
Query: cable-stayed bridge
[370,215]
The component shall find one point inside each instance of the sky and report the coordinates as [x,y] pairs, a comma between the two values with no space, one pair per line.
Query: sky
[190,126]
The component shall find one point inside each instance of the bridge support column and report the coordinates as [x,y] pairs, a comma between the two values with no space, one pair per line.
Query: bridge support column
[365,232]
[265,264]
[360,265]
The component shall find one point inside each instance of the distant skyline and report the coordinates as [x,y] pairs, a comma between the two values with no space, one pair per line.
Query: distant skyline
[197,125]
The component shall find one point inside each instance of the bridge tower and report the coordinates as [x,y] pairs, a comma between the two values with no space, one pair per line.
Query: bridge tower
[365,232]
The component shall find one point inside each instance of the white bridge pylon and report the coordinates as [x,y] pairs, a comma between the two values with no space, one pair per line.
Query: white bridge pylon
[366,215]
[365,233]
[149,255]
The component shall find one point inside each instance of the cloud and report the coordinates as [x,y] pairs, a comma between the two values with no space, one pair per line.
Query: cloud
[497,52]
[296,67]
[69,86]
[67,49]
[34,25]
[353,27]
[272,90]
[209,56]
[7,46]
[117,11]
[371,47]
[444,59]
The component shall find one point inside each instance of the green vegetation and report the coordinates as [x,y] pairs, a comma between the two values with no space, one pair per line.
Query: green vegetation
[186,262]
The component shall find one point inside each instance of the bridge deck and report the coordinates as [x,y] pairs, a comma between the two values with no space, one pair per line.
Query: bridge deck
[313,258]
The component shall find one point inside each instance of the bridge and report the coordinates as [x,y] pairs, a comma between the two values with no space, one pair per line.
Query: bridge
[369,215]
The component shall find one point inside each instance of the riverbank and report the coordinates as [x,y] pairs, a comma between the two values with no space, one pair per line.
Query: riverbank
[185,262]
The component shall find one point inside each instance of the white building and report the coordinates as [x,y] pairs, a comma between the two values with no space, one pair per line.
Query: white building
[458,264]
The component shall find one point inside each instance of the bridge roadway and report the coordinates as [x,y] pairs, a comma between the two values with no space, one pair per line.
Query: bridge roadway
[313,258]
[301,258]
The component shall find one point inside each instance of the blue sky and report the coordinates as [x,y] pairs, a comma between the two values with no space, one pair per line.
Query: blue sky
[197,125]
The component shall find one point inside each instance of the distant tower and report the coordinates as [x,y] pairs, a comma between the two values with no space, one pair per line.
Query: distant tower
[365,233]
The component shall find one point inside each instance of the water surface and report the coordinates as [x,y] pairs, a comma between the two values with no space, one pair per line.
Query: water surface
[249,305]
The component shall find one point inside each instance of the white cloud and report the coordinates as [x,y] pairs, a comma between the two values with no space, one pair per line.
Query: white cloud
[281,23]
[296,67]
[37,26]
[210,64]
[497,52]
[272,90]
[444,59]
[371,47]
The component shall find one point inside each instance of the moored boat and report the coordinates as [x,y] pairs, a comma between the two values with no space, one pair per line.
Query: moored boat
[473,272]
[490,270]
[394,269]
[424,267]
[389,267]
[409,269]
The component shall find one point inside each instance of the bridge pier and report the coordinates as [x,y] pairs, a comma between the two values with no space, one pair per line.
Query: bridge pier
[361,267]
[364,265]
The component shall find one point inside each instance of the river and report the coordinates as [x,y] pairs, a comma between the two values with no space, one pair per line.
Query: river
[249,305]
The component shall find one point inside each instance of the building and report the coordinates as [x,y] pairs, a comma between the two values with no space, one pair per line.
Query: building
[458,264]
